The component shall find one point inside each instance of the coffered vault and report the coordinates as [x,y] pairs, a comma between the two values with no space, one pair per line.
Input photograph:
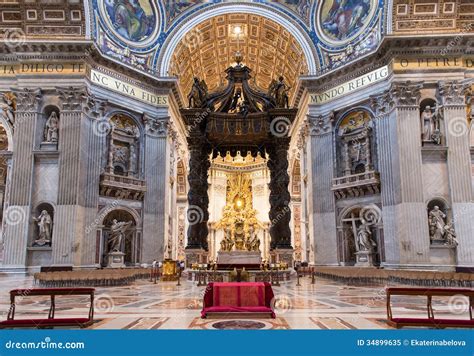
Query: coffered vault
[267,47]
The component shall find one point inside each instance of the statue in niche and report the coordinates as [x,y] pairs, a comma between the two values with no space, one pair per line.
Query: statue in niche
[45,224]
[117,234]
[198,96]
[8,111]
[437,224]
[450,235]
[364,237]
[440,231]
[278,90]
[431,126]
[51,131]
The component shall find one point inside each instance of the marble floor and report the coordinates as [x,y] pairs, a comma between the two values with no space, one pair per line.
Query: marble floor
[144,305]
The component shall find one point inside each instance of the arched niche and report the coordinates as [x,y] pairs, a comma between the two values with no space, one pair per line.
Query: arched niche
[355,143]
[348,222]
[439,218]
[48,135]
[43,220]
[130,245]
[432,132]
[123,145]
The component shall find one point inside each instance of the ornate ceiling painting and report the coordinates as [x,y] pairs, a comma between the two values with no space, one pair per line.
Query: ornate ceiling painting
[136,32]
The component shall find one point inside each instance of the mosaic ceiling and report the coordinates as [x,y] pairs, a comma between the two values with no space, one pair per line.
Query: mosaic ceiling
[138,33]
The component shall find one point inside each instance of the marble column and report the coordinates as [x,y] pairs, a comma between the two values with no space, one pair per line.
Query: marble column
[398,132]
[154,219]
[452,97]
[17,212]
[321,169]
[80,147]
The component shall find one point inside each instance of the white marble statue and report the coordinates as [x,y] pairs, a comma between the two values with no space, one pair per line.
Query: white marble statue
[430,123]
[437,223]
[44,223]
[364,237]
[52,128]
[450,235]
[117,234]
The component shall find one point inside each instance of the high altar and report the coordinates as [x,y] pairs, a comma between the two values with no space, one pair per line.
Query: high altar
[239,237]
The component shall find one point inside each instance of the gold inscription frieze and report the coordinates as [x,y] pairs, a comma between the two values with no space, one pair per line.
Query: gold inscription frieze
[432,63]
[51,68]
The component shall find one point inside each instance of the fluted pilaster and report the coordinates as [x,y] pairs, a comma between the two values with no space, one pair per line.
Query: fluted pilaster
[453,98]
[17,212]
[321,165]
[155,175]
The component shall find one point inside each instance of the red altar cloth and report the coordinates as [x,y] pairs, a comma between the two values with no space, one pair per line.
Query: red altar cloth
[234,297]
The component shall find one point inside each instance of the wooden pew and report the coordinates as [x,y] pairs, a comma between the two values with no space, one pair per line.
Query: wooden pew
[430,320]
[51,321]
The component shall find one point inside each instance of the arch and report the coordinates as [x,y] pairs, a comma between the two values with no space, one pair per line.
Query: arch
[132,116]
[347,112]
[105,211]
[180,32]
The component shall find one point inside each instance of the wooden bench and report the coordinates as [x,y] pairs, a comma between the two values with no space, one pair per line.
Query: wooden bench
[430,321]
[51,321]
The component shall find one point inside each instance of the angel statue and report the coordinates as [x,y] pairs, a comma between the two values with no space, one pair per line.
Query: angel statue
[198,96]
[117,233]
[278,90]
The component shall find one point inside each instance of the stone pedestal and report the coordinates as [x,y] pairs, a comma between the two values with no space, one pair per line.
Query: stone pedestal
[115,260]
[364,259]
[49,146]
[195,256]
[282,255]
[239,257]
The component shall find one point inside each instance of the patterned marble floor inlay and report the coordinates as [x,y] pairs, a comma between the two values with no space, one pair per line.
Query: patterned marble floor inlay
[144,305]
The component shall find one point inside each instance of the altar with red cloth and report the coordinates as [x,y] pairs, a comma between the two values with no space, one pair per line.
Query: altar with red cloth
[238,297]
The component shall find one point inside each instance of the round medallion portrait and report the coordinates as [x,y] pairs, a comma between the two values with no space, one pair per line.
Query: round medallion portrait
[133,21]
[340,21]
